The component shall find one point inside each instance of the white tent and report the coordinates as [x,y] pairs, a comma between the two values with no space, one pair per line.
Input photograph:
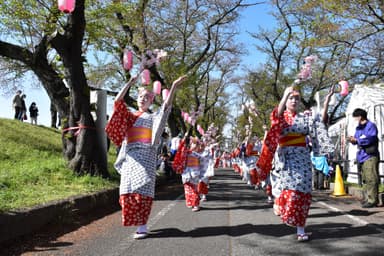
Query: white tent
[371,99]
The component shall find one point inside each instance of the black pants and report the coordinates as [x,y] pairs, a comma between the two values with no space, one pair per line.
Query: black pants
[17,112]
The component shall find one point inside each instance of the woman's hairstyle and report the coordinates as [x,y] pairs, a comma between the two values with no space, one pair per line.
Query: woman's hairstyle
[359,112]
[150,93]
[296,90]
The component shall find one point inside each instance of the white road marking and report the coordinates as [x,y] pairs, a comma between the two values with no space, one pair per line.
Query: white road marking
[357,220]
[354,218]
[163,212]
[123,247]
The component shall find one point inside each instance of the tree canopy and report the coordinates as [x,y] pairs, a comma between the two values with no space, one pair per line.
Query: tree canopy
[72,53]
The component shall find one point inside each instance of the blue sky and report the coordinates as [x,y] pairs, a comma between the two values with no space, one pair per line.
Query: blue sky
[252,18]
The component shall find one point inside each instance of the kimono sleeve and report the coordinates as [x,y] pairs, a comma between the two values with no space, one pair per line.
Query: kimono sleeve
[159,122]
[120,120]
[270,143]
[180,158]
[321,142]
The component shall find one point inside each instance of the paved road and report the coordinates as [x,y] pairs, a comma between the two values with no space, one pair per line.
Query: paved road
[236,220]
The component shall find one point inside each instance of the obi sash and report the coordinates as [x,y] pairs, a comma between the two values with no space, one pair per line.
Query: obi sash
[139,134]
[292,140]
[254,153]
[193,161]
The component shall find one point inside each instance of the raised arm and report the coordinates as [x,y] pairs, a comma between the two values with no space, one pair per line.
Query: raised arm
[324,114]
[124,90]
[172,91]
[283,101]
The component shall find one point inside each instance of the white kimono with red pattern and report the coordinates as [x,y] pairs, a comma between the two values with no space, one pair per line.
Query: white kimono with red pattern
[136,161]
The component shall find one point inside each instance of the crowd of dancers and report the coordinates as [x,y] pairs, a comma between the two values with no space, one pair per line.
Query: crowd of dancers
[280,162]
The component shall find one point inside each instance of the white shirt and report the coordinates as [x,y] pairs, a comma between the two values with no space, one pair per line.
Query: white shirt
[175,143]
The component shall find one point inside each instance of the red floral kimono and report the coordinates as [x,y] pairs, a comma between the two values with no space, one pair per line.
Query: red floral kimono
[287,134]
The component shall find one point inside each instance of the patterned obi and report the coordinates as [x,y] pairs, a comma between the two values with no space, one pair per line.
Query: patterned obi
[139,134]
[193,161]
[292,140]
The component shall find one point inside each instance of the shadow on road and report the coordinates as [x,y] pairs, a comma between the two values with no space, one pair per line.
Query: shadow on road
[322,231]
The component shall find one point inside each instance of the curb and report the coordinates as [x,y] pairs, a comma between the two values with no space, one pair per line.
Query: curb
[20,223]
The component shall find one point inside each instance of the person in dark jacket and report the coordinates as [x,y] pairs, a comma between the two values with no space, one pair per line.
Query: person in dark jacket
[23,111]
[367,155]
[33,113]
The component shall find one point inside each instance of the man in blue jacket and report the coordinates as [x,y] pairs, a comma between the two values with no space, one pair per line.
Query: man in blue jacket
[367,155]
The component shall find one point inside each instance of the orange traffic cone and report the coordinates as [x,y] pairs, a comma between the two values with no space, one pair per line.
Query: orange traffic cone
[339,184]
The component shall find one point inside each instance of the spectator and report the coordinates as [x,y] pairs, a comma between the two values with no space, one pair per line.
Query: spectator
[367,156]
[166,167]
[23,112]
[55,116]
[33,113]
[17,104]
[175,141]
[163,148]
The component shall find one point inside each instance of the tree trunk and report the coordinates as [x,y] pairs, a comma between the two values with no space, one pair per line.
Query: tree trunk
[82,147]
[174,122]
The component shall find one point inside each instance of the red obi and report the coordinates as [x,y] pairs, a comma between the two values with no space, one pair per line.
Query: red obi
[139,134]
[293,139]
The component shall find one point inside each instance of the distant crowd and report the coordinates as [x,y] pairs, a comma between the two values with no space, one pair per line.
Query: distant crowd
[20,108]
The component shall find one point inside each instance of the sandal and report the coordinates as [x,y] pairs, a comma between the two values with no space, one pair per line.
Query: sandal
[195,208]
[140,235]
[303,237]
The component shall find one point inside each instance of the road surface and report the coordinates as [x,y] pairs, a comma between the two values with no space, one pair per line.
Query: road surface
[236,220]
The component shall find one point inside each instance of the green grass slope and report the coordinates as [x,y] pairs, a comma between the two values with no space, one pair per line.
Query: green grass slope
[33,171]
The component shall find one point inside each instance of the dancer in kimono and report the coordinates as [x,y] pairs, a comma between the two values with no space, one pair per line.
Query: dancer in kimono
[287,135]
[251,156]
[202,187]
[187,163]
[206,169]
[267,183]
[138,133]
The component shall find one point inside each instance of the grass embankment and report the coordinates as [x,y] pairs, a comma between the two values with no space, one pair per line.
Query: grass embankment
[33,171]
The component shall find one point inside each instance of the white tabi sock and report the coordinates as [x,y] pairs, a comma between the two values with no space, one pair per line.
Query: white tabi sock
[142,229]
[300,230]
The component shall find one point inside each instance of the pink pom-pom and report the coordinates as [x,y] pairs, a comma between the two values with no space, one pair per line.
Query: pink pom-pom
[157,87]
[200,129]
[165,94]
[306,69]
[127,59]
[310,59]
[145,77]
[344,88]
[66,6]
[305,73]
